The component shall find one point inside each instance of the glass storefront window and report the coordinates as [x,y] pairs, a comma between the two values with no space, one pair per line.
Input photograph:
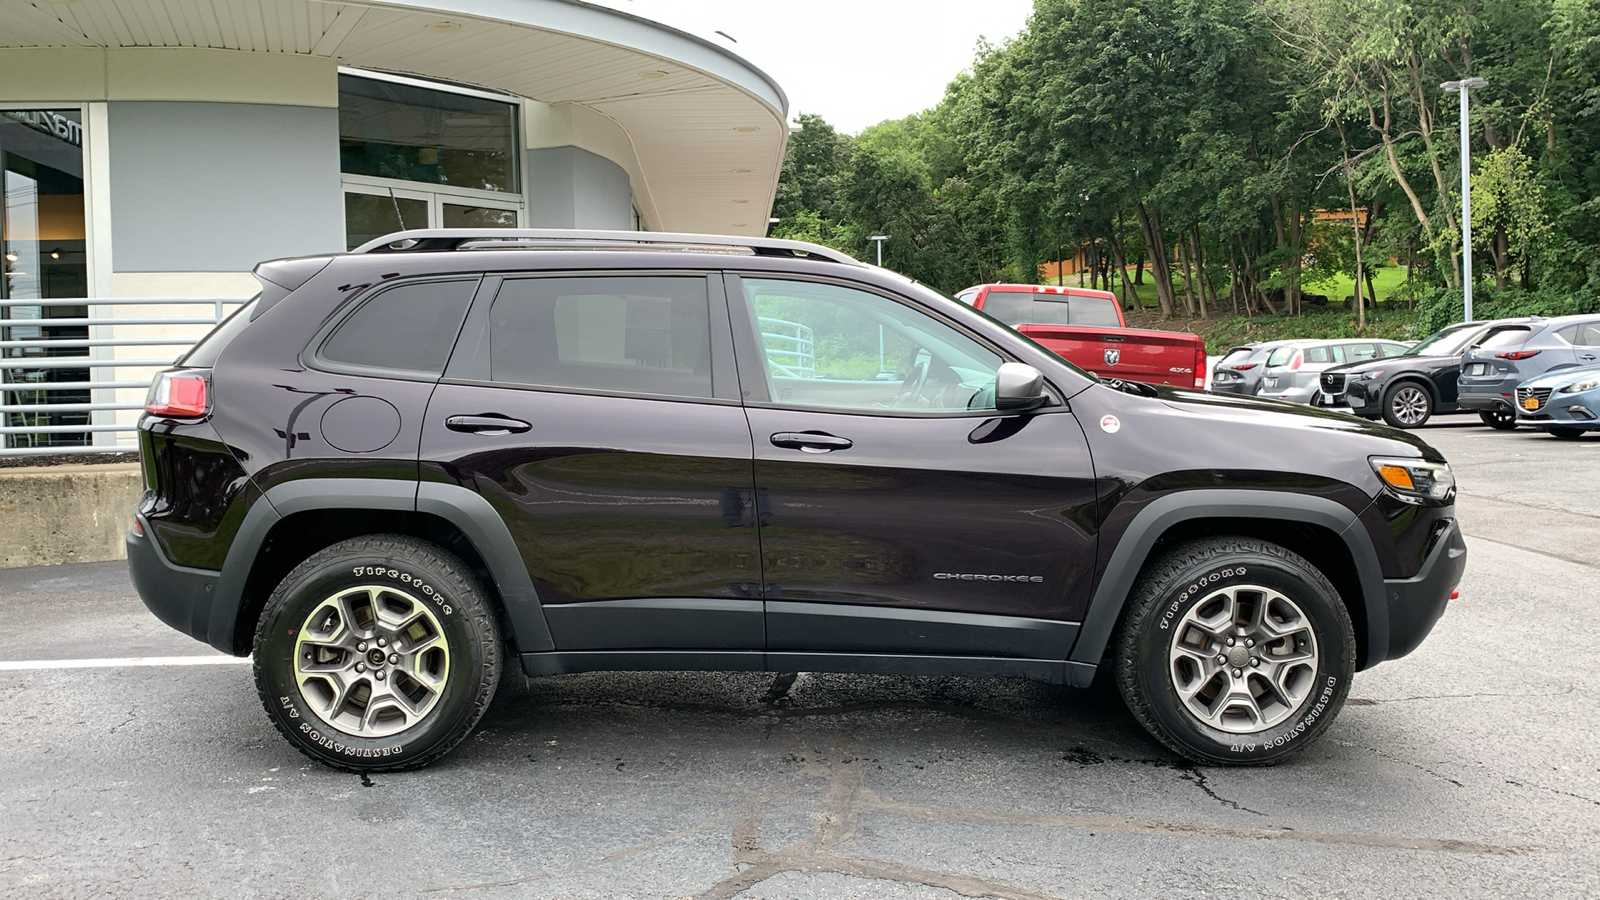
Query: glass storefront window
[42,256]
[408,133]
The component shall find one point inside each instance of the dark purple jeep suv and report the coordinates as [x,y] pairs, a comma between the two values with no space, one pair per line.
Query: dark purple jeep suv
[398,470]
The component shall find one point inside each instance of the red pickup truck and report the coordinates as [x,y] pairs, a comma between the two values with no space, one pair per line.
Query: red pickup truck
[1086,328]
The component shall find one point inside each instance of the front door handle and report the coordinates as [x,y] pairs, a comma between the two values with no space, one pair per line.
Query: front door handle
[811,441]
[490,424]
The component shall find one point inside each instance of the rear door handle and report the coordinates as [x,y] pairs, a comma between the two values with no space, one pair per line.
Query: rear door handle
[490,424]
[811,441]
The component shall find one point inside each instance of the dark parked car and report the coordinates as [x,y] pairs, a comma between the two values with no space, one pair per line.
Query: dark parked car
[1407,390]
[1491,371]
[398,470]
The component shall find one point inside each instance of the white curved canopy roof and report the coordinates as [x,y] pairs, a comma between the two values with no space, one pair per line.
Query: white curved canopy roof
[706,129]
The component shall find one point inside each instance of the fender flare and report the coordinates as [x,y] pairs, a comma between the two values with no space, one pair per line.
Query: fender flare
[465,509]
[1127,560]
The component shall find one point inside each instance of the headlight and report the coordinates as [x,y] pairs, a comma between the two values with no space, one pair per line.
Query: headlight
[1368,376]
[1588,384]
[1414,480]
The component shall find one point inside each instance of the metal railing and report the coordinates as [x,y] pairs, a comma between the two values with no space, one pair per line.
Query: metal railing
[40,416]
[791,348]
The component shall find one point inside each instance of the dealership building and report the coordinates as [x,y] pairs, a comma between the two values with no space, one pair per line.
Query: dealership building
[153,151]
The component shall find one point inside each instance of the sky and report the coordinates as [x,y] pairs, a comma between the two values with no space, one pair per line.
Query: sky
[853,62]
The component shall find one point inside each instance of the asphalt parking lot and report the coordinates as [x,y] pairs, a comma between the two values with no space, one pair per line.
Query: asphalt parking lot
[1469,769]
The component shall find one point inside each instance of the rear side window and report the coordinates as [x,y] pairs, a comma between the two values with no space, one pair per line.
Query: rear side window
[1385,351]
[1589,335]
[1358,352]
[642,335]
[407,328]
[1016,308]
[1318,354]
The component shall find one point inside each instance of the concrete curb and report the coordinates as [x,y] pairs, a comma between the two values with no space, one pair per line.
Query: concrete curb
[66,514]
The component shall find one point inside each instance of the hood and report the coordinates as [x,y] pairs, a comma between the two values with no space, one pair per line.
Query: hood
[1562,377]
[1318,424]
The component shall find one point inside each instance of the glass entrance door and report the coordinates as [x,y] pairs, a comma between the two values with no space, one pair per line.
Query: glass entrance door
[42,257]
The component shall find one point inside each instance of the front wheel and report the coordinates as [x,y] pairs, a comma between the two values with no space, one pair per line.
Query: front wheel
[1235,651]
[377,653]
[1407,405]
[1498,419]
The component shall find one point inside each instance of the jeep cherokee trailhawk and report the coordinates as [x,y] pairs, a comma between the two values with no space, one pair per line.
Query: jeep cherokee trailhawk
[399,469]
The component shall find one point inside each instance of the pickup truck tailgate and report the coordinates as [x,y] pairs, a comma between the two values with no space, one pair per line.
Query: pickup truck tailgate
[1152,357]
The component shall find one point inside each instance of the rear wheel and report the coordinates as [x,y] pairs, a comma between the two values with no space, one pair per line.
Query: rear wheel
[1235,651]
[1498,419]
[1567,434]
[1407,405]
[377,653]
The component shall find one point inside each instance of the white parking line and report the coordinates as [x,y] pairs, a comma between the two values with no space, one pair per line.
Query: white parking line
[120,663]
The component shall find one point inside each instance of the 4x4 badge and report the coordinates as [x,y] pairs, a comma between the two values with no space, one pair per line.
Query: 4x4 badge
[1112,355]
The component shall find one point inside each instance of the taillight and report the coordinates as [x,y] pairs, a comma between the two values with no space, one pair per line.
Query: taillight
[1245,367]
[1516,354]
[1294,364]
[1200,369]
[178,395]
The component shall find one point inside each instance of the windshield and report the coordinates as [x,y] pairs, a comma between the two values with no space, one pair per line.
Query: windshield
[1448,342]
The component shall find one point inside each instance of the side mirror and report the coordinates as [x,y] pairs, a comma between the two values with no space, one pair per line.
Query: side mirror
[1018,386]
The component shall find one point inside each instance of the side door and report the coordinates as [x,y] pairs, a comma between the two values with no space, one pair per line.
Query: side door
[600,416]
[900,514]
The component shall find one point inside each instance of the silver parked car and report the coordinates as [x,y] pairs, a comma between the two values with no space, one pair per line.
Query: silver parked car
[1292,370]
[1491,371]
[1239,370]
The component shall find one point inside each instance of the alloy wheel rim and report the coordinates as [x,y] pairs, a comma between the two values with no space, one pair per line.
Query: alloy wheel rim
[1243,659]
[1410,404]
[371,661]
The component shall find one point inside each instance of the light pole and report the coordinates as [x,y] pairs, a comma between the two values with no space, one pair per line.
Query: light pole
[879,239]
[1462,87]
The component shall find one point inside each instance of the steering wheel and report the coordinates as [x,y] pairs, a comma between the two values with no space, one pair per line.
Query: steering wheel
[916,377]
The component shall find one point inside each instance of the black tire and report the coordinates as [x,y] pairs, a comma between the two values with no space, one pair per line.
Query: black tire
[1407,404]
[452,640]
[1191,579]
[1499,419]
[1566,434]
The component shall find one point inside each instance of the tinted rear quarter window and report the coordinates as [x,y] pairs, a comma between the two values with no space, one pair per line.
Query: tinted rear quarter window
[630,334]
[409,327]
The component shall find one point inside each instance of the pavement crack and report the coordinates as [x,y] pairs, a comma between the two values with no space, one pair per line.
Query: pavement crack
[1193,775]
[1552,790]
[1418,766]
[124,722]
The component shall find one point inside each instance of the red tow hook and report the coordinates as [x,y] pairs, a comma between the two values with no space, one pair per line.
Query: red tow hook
[1455,595]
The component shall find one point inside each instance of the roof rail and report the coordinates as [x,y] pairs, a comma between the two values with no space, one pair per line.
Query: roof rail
[426,239]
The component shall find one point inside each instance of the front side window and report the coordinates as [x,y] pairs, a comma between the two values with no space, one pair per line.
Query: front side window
[833,347]
[631,334]
[409,327]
